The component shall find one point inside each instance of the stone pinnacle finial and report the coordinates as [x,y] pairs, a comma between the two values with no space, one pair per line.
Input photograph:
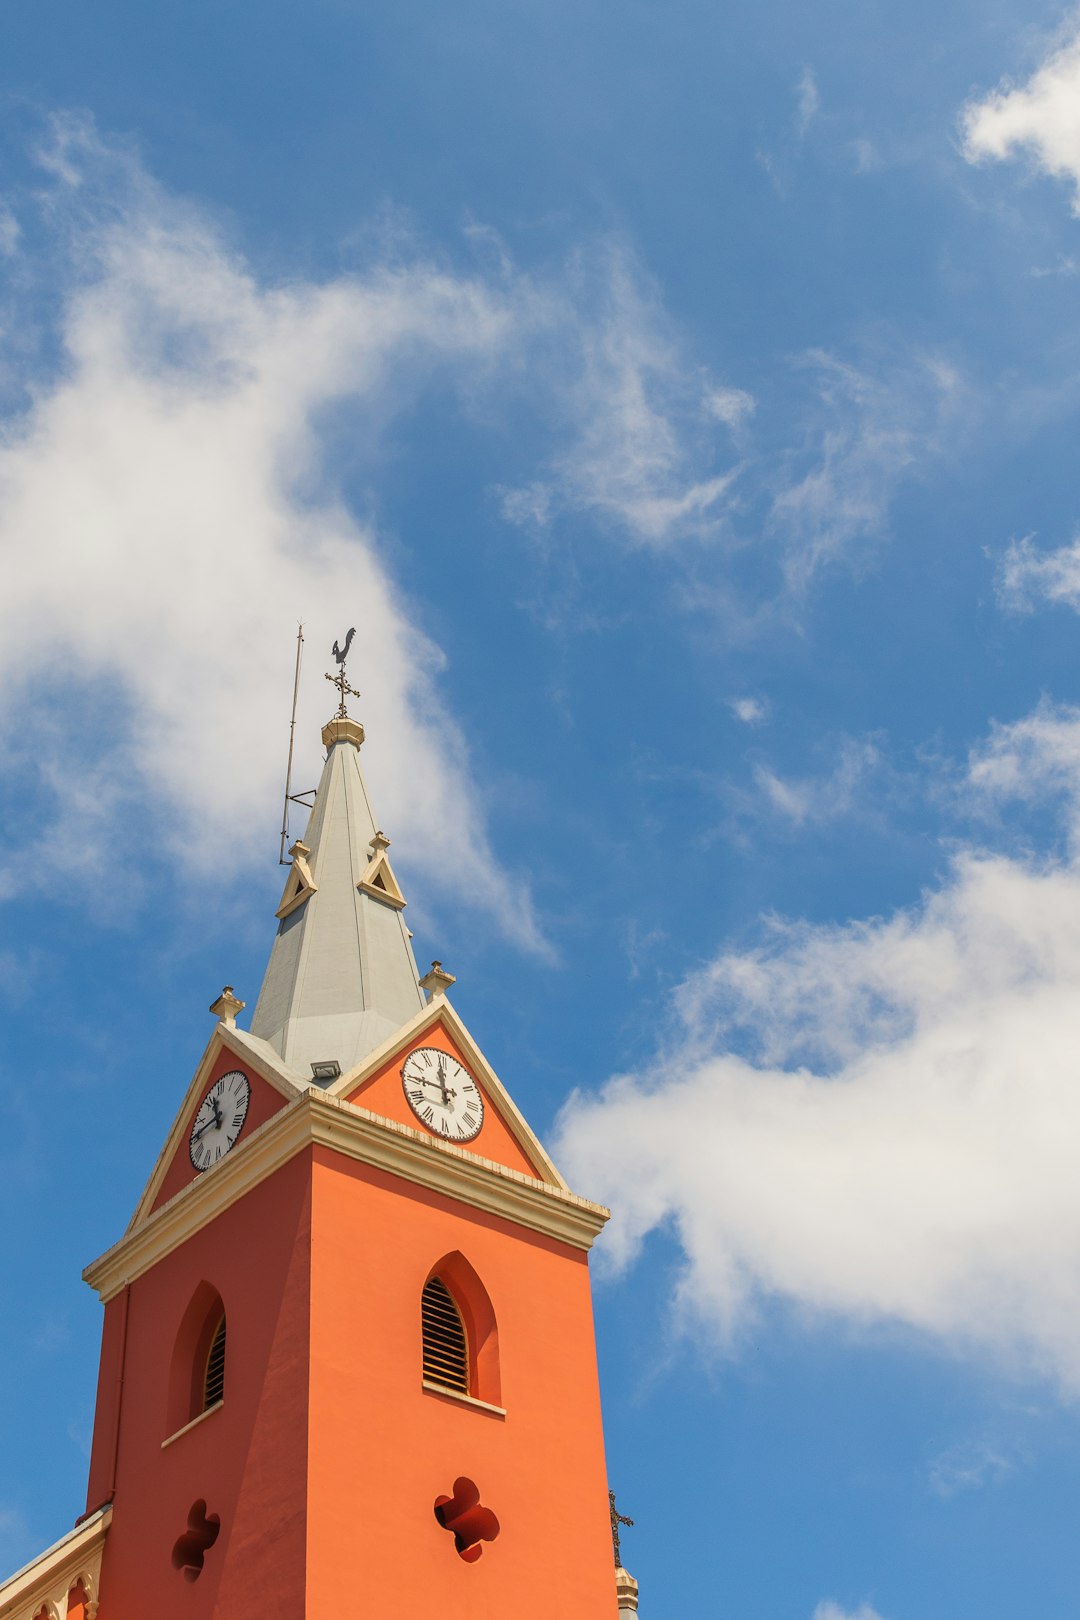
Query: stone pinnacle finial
[227,1006]
[626,1590]
[437,982]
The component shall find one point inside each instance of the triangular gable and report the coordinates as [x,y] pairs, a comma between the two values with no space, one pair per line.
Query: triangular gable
[300,885]
[378,878]
[505,1137]
[271,1089]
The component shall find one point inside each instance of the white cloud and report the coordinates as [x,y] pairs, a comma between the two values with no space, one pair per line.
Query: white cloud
[170,506]
[867,429]
[968,1467]
[642,421]
[876,1121]
[828,1610]
[806,799]
[1027,574]
[166,517]
[752,711]
[1041,117]
[730,405]
[1033,760]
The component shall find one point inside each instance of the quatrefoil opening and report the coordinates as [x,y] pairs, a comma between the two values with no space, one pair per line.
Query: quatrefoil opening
[465,1516]
[191,1548]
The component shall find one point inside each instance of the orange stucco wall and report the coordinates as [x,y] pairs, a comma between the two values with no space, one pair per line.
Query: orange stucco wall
[325,1460]
[248,1459]
[264,1102]
[383,1094]
[382,1449]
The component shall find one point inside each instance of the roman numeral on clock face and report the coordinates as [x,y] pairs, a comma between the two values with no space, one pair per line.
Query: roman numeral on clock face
[442,1094]
[219,1120]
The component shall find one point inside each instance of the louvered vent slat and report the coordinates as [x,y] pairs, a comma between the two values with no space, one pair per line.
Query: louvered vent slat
[446,1353]
[214,1389]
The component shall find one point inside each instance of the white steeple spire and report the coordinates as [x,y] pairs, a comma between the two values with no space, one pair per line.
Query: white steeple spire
[341,977]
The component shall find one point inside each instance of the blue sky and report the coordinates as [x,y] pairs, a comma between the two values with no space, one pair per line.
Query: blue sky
[683,403]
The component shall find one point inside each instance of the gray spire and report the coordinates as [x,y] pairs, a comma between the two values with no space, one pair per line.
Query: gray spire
[341,977]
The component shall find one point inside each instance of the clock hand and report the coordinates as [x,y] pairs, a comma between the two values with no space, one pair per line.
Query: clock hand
[216,1121]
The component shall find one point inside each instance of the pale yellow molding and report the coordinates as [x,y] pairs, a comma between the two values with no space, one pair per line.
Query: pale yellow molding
[200,1417]
[439,1010]
[263,1062]
[430,1388]
[50,1577]
[318,1119]
[342,730]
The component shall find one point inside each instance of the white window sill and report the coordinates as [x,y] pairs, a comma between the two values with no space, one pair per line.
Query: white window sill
[210,1410]
[461,1400]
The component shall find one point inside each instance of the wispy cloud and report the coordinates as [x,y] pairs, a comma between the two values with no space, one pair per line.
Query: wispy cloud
[867,428]
[849,1118]
[1040,118]
[968,1467]
[829,1610]
[821,798]
[1027,575]
[639,418]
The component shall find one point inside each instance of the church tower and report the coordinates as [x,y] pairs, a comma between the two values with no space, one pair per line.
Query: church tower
[348,1362]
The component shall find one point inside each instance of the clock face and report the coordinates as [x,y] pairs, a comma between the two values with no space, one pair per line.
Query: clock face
[220,1119]
[442,1094]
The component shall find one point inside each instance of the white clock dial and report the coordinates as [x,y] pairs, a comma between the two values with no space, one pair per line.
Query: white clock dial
[220,1119]
[442,1094]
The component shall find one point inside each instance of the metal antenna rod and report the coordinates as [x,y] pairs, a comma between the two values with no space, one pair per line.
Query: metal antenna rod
[292,734]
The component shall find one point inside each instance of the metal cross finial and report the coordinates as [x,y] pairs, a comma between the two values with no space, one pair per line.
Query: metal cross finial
[338,680]
[617,1519]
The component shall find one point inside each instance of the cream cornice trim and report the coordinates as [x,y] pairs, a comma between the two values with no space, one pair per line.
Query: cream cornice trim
[242,1046]
[316,1119]
[76,1556]
[444,1167]
[440,1011]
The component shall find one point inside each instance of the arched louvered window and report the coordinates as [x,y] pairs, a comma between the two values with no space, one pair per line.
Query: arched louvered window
[214,1383]
[446,1349]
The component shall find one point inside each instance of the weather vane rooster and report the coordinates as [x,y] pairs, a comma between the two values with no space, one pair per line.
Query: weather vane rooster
[338,680]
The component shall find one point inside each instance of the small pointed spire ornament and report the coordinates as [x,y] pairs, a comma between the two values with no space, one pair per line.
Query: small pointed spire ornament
[437,982]
[226,1007]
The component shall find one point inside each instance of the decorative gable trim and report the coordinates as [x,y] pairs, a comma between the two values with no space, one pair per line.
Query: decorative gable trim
[250,1050]
[46,1582]
[439,1011]
[315,1119]
[377,878]
[300,885]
